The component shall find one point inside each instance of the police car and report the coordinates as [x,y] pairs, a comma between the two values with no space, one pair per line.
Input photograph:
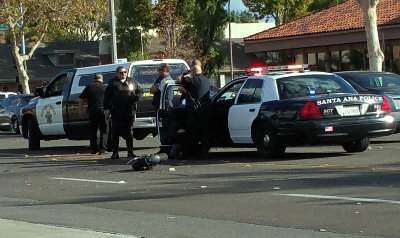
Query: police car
[280,109]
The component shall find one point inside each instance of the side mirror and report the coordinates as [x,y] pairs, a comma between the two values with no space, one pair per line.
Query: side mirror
[39,92]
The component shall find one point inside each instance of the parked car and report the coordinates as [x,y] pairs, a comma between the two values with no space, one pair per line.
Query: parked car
[273,111]
[4,95]
[10,112]
[381,83]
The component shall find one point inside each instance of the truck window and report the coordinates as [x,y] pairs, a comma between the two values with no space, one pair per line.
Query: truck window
[87,79]
[147,74]
[55,88]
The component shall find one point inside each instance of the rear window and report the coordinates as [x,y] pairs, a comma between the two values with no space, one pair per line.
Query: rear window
[87,79]
[147,74]
[310,85]
[376,80]
[2,96]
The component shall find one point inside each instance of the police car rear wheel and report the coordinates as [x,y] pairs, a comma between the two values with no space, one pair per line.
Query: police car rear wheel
[269,145]
[357,145]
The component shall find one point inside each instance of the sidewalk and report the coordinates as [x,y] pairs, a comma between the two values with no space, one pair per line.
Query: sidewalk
[18,229]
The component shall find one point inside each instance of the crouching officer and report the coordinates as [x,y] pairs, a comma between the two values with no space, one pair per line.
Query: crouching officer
[94,94]
[121,96]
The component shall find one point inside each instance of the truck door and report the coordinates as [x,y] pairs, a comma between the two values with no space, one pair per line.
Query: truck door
[245,110]
[49,108]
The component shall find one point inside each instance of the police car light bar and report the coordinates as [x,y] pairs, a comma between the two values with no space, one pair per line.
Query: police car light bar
[294,67]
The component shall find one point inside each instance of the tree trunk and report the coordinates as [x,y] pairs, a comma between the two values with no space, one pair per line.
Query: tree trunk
[376,56]
[20,65]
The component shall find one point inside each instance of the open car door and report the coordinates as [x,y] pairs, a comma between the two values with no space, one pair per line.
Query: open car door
[171,112]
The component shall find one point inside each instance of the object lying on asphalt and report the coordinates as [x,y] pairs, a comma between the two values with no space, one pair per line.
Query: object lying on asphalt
[146,162]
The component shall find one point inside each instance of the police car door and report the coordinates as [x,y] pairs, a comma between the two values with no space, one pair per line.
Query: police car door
[49,108]
[245,110]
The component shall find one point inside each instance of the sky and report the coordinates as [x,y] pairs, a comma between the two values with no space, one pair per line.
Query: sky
[237,5]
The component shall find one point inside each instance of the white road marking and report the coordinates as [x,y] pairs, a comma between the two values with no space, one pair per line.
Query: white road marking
[89,180]
[368,200]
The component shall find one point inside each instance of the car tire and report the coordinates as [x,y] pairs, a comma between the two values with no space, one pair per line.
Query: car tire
[269,145]
[14,126]
[356,145]
[33,135]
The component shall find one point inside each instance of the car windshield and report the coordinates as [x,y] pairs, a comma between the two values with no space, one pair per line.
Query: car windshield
[311,85]
[8,101]
[377,80]
[147,74]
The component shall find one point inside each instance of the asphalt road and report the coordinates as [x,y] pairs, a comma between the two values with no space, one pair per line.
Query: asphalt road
[312,192]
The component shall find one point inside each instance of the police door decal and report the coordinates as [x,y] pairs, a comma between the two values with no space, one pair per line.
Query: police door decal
[49,109]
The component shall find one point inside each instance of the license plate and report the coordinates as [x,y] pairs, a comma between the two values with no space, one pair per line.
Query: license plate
[351,111]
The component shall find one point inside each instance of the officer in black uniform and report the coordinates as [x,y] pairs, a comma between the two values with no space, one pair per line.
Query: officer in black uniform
[94,94]
[121,96]
[197,88]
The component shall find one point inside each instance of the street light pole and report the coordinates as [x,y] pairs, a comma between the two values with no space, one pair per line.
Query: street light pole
[113,32]
[141,40]
[230,39]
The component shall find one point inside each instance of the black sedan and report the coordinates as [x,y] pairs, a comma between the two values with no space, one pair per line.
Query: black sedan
[10,110]
[381,83]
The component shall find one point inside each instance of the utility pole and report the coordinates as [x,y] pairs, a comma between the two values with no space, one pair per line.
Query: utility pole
[113,32]
[230,39]
[23,47]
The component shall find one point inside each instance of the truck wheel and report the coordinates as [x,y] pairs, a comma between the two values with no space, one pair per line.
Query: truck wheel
[33,135]
[269,145]
[356,146]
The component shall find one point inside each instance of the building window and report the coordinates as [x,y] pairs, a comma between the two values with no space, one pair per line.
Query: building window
[299,59]
[335,60]
[322,58]
[312,59]
[66,59]
[396,58]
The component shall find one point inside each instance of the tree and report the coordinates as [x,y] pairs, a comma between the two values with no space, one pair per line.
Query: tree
[242,17]
[281,11]
[173,20]
[322,4]
[38,16]
[376,56]
[209,20]
[89,28]
[132,15]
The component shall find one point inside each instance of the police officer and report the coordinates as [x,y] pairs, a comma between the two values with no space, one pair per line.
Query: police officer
[155,88]
[94,94]
[197,88]
[121,96]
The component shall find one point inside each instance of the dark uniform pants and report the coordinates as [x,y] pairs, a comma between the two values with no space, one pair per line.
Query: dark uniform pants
[198,127]
[122,128]
[97,122]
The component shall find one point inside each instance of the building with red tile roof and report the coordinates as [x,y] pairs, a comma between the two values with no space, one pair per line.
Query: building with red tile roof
[331,39]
